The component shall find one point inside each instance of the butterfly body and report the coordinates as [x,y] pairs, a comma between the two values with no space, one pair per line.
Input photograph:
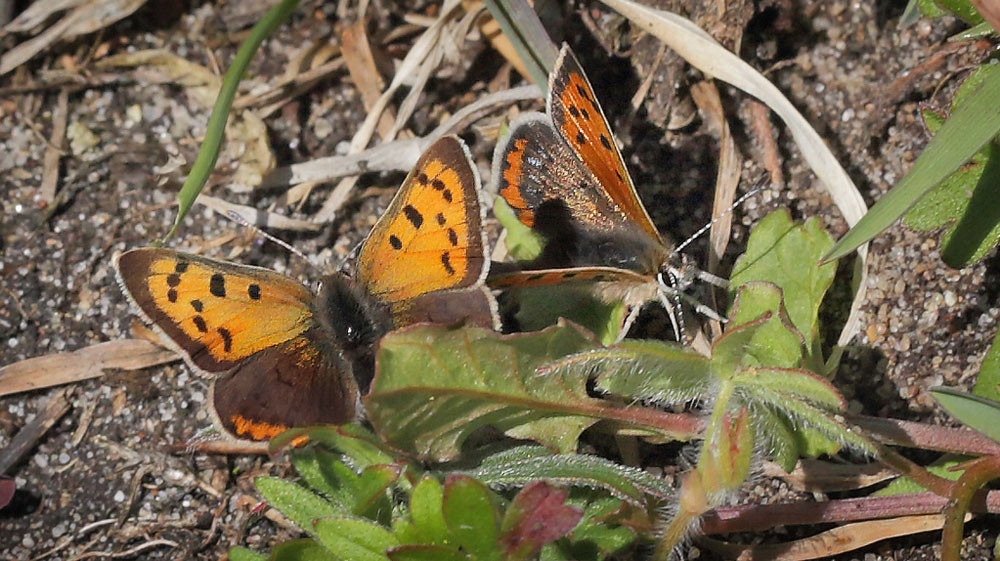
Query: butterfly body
[284,356]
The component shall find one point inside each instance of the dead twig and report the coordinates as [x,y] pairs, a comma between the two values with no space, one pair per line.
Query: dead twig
[30,434]
[54,151]
[764,132]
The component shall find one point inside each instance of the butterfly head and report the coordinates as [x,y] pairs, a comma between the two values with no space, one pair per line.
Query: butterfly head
[350,314]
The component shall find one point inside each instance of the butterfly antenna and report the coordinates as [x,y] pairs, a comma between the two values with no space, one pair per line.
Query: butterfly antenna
[711,223]
[237,218]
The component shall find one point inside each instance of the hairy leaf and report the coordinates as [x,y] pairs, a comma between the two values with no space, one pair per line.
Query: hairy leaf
[354,539]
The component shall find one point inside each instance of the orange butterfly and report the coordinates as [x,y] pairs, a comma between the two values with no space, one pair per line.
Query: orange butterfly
[287,357]
[563,176]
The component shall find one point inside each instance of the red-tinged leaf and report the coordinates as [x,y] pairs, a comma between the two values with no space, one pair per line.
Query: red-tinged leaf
[7,490]
[537,515]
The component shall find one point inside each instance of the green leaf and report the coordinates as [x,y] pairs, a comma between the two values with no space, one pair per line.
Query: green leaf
[520,25]
[372,499]
[471,516]
[523,243]
[977,413]
[434,386]
[299,550]
[969,128]
[598,535]
[942,467]
[779,440]
[295,502]
[536,516]
[539,307]
[988,379]
[796,383]
[362,447]
[966,204]
[354,539]
[775,342]
[317,469]
[416,552]
[426,511]
[244,554]
[963,9]
[730,352]
[666,373]
[204,162]
[787,255]
[523,464]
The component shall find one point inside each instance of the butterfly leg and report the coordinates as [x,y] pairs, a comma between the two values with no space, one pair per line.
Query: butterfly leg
[627,325]
[689,300]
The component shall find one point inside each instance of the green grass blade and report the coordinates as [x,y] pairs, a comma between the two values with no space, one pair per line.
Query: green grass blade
[964,133]
[204,163]
[522,27]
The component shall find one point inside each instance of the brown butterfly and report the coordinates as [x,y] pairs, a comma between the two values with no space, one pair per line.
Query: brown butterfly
[286,357]
[563,176]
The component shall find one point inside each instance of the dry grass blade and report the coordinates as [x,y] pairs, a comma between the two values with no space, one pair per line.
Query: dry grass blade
[398,155]
[85,18]
[258,218]
[281,93]
[360,61]
[50,166]
[704,53]
[831,542]
[825,477]
[37,13]
[88,362]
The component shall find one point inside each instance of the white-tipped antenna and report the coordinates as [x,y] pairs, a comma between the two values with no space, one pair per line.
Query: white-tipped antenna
[237,218]
[705,228]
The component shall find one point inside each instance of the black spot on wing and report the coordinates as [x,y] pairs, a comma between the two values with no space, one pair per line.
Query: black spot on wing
[452,237]
[605,142]
[583,93]
[446,261]
[217,285]
[394,242]
[574,111]
[586,115]
[173,280]
[253,291]
[447,195]
[227,339]
[413,215]
[437,184]
[440,219]
[172,295]
[196,304]
[580,139]
[422,178]
[199,322]
[181,266]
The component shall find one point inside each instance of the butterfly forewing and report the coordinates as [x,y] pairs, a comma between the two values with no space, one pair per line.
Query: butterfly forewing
[430,238]
[578,117]
[218,313]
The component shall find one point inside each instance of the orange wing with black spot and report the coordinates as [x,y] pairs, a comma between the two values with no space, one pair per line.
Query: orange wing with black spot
[431,236]
[218,313]
[581,122]
[279,368]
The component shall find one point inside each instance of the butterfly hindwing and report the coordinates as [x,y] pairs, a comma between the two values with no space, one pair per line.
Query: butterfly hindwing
[578,117]
[303,381]
[217,313]
[431,237]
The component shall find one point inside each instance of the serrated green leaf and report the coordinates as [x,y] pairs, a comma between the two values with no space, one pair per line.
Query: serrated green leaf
[523,243]
[350,538]
[244,554]
[520,465]
[298,550]
[977,413]
[434,386]
[776,342]
[803,414]
[968,129]
[416,552]
[471,516]
[777,437]
[666,373]
[797,383]
[425,509]
[787,255]
[988,379]
[298,504]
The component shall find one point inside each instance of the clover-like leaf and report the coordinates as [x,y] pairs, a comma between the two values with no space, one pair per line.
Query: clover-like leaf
[787,255]
[434,386]
[537,515]
[471,516]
